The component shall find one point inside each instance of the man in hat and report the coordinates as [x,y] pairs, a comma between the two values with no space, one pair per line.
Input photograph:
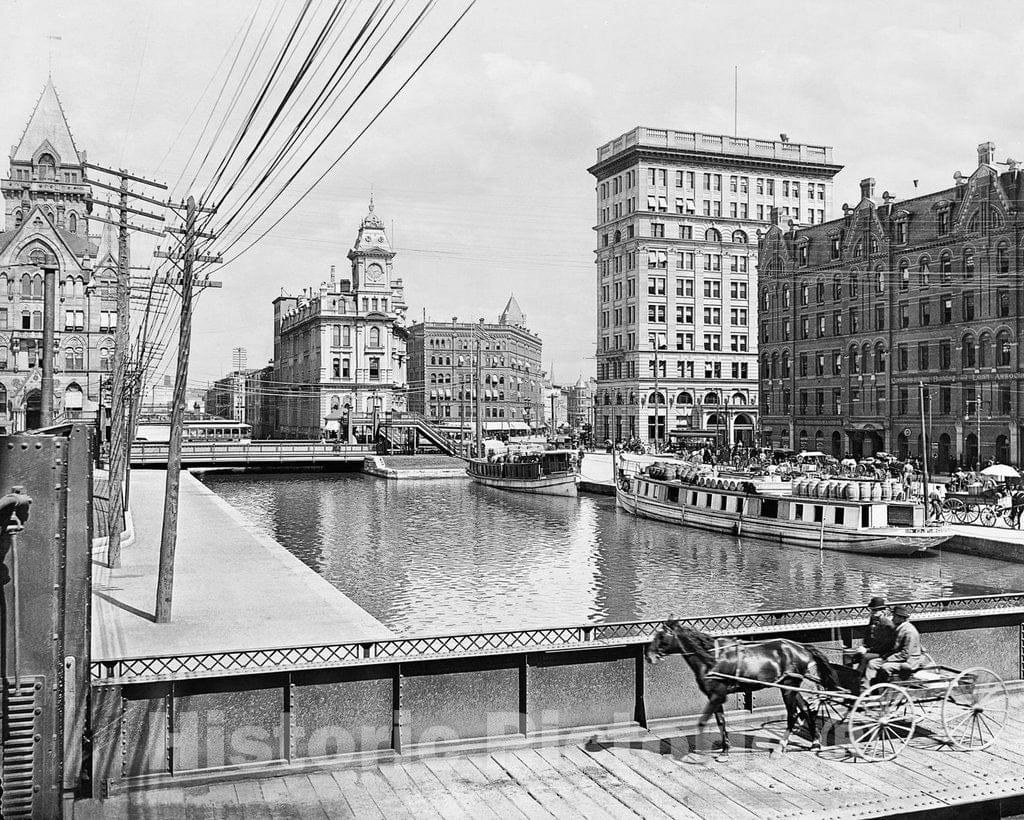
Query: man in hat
[906,654]
[879,640]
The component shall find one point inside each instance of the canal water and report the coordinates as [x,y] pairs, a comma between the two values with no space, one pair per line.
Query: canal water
[453,556]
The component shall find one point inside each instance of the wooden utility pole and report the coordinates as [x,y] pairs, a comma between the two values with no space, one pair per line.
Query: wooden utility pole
[477,391]
[169,530]
[119,396]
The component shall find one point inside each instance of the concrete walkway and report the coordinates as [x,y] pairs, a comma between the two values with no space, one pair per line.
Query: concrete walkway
[234,588]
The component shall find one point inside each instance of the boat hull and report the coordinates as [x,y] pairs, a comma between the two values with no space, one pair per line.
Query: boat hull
[886,541]
[545,485]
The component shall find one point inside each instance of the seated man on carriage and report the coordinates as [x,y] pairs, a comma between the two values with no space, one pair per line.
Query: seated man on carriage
[906,656]
[879,640]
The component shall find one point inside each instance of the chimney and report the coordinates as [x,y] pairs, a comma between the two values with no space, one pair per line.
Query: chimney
[986,153]
[867,188]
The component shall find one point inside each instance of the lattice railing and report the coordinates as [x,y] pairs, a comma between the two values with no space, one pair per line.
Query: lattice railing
[460,645]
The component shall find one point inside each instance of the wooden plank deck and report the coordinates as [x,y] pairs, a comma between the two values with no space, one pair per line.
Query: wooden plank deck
[653,775]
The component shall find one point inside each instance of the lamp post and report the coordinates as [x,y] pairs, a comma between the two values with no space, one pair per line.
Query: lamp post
[348,422]
[978,404]
[455,320]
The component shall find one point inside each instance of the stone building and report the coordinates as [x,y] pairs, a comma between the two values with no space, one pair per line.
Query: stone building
[676,221]
[46,216]
[442,372]
[340,348]
[858,313]
[580,405]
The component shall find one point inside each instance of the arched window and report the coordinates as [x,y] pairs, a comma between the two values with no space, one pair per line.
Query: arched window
[37,320]
[1003,349]
[46,167]
[711,397]
[37,285]
[738,398]
[17,219]
[853,284]
[785,296]
[739,236]
[904,274]
[712,235]
[26,285]
[618,397]
[805,293]
[803,439]
[837,287]
[983,342]
[879,279]
[880,358]
[854,360]
[785,364]
[656,399]
[73,222]
[819,441]
[618,236]
[873,244]
[3,284]
[374,337]
[968,356]
[858,249]
[969,261]
[923,269]
[945,266]
[69,358]
[820,287]
[865,358]
[105,358]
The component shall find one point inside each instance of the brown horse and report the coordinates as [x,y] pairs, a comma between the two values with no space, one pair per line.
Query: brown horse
[775,661]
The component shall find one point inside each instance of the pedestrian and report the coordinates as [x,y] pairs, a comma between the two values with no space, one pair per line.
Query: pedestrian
[878,640]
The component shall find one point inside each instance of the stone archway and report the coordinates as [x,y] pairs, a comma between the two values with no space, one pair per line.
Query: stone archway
[33,410]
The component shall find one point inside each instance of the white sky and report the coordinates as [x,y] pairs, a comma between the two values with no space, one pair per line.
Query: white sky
[481,162]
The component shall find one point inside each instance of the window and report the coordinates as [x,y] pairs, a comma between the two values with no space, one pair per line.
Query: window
[837,363]
[1002,259]
[685,261]
[686,231]
[904,274]
[837,323]
[712,316]
[902,357]
[834,247]
[804,293]
[656,313]
[945,355]
[821,325]
[658,230]
[924,312]
[738,264]
[901,232]
[943,222]
[820,292]
[922,356]
[712,289]
[945,267]
[737,290]
[345,368]
[902,402]
[923,269]
[684,287]
[969,351]
[1003,302]
[374,337]
[969,261]
[854,320]
[837,287]
[738,317]
[802,367]
[336,368]
[374,368]
[879,317]
[770,186]
[802,255]
[819,365]
[1003,350]
[656,286]
[904,316]
[967,305]
[946,309]
[712,235]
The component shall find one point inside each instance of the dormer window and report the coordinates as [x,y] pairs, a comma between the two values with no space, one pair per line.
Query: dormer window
[943,222]
[46,167]
[834,246]
[801,255]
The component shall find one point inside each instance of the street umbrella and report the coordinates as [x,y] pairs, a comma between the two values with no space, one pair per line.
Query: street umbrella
[1001,471]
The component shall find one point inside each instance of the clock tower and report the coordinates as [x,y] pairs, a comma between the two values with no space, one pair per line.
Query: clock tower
[371,256]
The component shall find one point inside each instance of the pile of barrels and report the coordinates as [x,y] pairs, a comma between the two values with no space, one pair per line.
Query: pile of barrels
[890,490]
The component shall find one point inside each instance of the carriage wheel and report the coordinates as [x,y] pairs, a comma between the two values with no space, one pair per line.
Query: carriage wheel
[954,510]
[987,516]
[974,709]
[971,512]
[828,713]
[881,722]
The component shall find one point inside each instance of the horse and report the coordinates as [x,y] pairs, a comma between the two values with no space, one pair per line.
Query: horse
[774,661]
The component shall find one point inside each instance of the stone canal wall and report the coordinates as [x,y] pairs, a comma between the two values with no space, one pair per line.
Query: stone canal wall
[186,717]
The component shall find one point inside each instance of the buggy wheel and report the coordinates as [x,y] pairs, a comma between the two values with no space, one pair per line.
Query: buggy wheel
[974,709]
[881,722]
[954,510]
[987,516]
[971,513]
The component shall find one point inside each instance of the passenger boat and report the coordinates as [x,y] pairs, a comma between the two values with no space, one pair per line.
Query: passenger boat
[872,527]
[546,473]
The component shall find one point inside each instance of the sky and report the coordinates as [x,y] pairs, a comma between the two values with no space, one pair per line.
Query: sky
[478,167]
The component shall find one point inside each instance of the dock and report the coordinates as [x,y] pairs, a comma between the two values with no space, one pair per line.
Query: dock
[419,467]
[660,774]
[235,587]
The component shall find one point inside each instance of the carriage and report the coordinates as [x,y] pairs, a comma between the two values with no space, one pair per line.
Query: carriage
[970,705]
[991,505]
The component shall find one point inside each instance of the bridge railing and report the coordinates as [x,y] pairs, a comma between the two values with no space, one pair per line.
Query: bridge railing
[449,645]
[201,715]
[227,450]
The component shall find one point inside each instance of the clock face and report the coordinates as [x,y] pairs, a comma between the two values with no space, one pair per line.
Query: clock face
[374,274]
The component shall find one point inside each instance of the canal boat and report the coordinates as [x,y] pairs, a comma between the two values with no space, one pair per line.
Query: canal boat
[873,527]
[546,473]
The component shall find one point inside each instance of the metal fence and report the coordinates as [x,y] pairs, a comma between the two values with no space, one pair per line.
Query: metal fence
[434,647]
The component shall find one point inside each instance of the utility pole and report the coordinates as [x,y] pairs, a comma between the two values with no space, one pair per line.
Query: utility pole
[119,397]
[476,392]
[924,455]
[169,530]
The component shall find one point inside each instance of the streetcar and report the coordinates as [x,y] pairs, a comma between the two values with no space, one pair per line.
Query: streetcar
[158,431]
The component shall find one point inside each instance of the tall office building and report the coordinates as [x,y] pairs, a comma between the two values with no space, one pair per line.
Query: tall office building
[677,220]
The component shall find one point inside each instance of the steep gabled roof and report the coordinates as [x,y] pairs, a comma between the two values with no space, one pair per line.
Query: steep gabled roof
[47,124]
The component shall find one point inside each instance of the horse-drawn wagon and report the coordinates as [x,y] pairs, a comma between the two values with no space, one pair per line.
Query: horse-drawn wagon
[987,506]
[970,705]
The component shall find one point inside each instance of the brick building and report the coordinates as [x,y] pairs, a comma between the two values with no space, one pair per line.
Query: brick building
[676,221]
[857,313]
[46,216]
[442,371]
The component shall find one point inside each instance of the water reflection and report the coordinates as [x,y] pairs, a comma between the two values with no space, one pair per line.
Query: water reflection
[440,556]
